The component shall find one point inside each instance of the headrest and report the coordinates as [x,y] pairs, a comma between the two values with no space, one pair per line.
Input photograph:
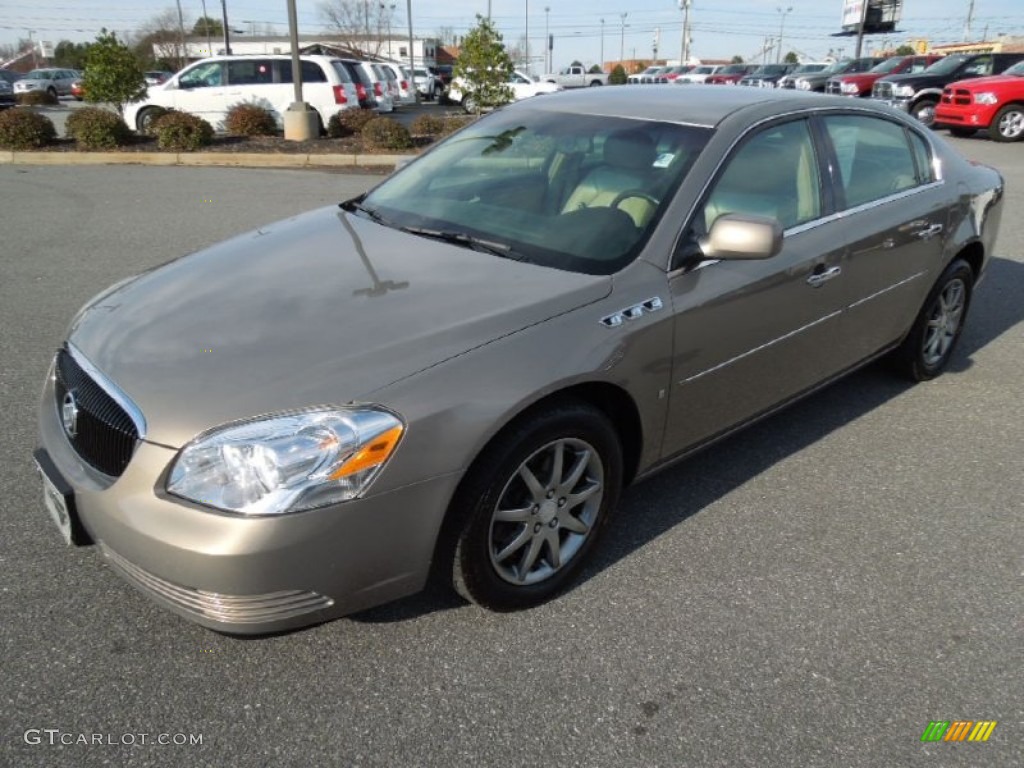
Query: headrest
[629,149]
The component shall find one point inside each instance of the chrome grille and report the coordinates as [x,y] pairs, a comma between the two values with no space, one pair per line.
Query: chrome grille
[834,87]
[230,609]
[881,90]
[105,435]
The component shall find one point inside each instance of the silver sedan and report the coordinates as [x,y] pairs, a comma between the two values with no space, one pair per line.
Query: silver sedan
[457,373]
[57,82]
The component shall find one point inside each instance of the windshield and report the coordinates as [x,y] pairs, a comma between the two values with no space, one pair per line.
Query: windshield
[771,69]
[39,74]
[888,65]
[734,69]
[946,66]
[575,192]
[805,69]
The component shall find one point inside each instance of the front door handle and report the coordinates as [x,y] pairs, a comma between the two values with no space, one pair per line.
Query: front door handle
[818,279]
[929,232]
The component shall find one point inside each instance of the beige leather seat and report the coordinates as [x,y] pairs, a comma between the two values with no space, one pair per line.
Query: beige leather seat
[628,160]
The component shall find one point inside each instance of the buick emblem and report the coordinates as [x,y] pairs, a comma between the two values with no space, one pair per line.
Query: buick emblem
[69,414]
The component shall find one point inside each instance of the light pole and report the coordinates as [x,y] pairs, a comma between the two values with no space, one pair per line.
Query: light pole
[684,43]
[602,45]
[782,26]
[547,43]
[224,16]
[528,72]
[622,37]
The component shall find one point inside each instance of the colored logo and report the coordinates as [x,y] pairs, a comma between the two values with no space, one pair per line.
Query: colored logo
[958,730]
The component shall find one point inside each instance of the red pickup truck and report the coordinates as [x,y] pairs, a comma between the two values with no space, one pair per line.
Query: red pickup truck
[730,74]
[996,103]
[859,84]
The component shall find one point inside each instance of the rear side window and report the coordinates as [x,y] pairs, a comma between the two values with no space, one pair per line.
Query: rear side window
[250,72]
[875,160]
[923,157]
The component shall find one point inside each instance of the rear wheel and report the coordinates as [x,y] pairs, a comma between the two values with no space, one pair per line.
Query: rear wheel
[533,506]
[926,350]
[924,110]
[1008,124]
[53,92]
[594,83]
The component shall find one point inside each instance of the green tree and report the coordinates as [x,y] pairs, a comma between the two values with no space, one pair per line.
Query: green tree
[484,67]
[68,55]
[736,60]
[112,73]
[205,25]
[905,50]
[595,70]
[618,76]
[792,58]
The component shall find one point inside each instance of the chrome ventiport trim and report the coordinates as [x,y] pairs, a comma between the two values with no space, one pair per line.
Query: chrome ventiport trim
[116,393]
[634,312]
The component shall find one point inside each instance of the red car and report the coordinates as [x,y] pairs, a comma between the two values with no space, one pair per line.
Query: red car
[77,90]
[859,84]
[731,74]
[996,103]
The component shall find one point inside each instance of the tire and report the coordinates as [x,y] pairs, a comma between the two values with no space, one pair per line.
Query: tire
[963,133]
[469,105]
[144,121]
[53,92]
[927,349]
[1008,124]
[531,555]
[924,111]
[595,83]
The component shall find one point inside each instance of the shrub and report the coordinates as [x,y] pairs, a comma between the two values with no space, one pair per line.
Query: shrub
[37,99]
[618,76]
[182,132]
[349,122]
[453,123]
[95,128]
[385,133]
[429,125]
[25,129]
[112,73]
[250,120]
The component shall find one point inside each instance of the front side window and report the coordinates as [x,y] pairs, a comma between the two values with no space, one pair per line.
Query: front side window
[875,160]
[208,74]
[574,192]
[773,174]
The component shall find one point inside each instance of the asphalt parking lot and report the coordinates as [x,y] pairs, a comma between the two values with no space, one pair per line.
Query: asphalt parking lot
[811,592]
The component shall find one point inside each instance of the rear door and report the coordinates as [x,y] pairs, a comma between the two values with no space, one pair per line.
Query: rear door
[894,218]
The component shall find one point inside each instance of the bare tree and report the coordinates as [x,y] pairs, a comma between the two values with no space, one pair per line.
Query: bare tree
[159,39]
[446,35]
[361,24]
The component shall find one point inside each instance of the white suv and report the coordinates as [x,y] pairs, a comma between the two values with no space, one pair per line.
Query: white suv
[210,87]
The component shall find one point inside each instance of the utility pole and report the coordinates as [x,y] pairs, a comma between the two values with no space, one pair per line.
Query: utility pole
[224,17]
[782,26]
[547,41]
[528,72]
[412,58]
[206,23]
[860,29]
[622,37]
[684,43]
[181,36]
[967,25]
[602,45]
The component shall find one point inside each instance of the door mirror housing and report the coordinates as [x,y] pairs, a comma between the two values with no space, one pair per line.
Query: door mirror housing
[742,236]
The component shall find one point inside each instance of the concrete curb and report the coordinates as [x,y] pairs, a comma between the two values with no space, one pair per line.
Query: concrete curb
[192,159]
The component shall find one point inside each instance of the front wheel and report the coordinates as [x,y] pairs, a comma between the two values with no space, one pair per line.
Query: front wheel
[533,506]
[469,105]
[924,111]
[1008,124]
[926,350]
[145,119]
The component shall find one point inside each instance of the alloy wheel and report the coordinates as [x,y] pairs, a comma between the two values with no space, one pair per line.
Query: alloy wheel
[944,322]
[1011,124]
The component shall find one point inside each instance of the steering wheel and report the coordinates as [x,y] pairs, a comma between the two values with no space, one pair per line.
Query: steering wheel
[629,194]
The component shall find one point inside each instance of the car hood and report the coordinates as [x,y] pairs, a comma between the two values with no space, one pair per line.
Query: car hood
[980,83]
[323,308]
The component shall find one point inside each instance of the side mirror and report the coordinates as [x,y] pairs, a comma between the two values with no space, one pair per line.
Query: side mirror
[742,236]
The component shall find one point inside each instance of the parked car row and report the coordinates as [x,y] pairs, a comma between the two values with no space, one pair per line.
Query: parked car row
[210,87]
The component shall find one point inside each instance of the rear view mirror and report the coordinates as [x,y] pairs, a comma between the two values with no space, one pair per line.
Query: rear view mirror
[742,236]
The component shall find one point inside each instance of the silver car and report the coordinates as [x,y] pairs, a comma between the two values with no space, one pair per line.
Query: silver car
[55,81]
[457,373]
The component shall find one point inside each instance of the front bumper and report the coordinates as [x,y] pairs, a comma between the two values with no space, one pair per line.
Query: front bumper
[975,116]
[901,104]
[249,575]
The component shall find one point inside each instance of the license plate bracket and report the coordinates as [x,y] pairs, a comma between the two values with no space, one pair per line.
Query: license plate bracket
[59,500]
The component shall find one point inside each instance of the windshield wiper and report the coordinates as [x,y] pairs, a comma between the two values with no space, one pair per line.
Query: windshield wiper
[465,240]
[356,204]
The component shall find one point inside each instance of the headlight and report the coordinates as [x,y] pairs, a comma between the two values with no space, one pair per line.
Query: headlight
[986,97]
[287,463]
[803,85]
[849,88]
[903,91]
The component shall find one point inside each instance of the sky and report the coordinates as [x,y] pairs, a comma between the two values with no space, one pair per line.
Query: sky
[720,28]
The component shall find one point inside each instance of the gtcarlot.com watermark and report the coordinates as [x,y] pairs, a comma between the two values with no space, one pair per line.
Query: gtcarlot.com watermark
[55,736]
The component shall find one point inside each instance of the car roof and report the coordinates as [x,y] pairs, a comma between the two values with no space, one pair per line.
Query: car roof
[702,105]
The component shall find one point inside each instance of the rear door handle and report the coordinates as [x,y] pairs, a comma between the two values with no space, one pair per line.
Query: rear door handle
[818,279]
[929,232]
